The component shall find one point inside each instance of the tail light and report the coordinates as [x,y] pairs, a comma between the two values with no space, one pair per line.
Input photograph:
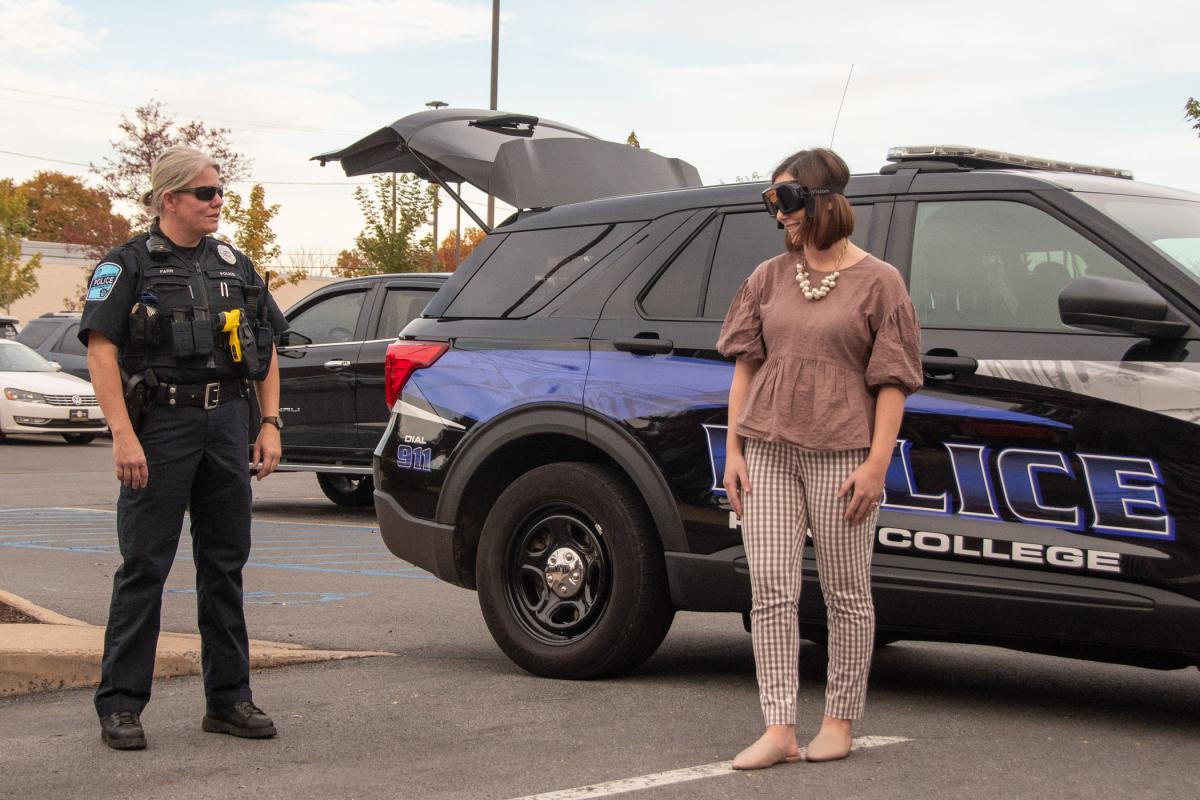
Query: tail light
[404,358]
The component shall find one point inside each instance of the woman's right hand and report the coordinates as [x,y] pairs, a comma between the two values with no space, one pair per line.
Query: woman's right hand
[130,461]
[736,480]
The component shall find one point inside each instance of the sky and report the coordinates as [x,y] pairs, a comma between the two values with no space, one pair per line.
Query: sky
[730,87]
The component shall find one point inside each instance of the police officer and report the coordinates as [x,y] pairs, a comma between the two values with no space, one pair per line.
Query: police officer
[176,324]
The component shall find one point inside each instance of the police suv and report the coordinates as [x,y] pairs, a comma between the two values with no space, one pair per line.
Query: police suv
[558,416]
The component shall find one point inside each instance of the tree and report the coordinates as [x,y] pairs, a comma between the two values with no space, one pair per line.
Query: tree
[253,234]
[350,264]
[395,209]
[471,237]
[1191,111]
[16,279]
[63,209]
[632,140]
[126,175]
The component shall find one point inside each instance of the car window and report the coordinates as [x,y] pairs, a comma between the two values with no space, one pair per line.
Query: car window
[8,330]
[531,268]
[330,320]
[998,264]
[400,307]
[16,357]
[1173,226]
[743,241]
[37,332]
[676,292]
[69,343]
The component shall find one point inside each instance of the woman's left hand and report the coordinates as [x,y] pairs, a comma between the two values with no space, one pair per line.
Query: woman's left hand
[864,487]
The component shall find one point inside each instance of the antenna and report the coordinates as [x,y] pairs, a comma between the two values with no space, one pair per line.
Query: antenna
[839,111]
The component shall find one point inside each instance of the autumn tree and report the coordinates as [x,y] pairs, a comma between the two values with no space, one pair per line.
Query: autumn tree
[63,209]
[1191,113]
[350,264]
[446,250]
[632,140]
[253,235]
[125,176]
[16,279]
[394,209]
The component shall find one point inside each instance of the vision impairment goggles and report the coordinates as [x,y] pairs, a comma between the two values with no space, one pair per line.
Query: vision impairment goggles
[789,197]
[204,194]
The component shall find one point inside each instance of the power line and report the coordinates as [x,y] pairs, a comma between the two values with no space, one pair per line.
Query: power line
[262,124]
[248,181]
[43,158]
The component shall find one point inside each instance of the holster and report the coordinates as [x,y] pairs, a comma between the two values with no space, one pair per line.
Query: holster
[137,396]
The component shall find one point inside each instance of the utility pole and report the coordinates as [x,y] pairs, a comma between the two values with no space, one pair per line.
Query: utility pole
[491,217]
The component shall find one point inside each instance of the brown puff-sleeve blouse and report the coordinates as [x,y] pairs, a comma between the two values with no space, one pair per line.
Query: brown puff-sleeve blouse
[823,360]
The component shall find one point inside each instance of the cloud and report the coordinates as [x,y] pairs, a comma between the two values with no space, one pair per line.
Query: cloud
[44,28]
[363,26]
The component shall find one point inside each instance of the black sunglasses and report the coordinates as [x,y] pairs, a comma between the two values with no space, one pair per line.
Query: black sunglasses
[789,197]
[204,194]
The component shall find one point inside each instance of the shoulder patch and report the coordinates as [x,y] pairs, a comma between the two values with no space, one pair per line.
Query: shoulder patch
[226,254]
[103,280]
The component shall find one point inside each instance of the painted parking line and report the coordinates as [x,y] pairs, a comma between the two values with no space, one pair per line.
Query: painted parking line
[277,544]
[286,598]
[684,775]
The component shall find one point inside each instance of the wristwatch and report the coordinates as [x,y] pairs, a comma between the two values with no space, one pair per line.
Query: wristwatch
[276,421]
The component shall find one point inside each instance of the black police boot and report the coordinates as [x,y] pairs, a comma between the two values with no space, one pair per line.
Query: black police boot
[243,719]
[122,730]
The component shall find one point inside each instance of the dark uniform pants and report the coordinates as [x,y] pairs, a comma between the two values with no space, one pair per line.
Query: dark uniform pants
[198,461]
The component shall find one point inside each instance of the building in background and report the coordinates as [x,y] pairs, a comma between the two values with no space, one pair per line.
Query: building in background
[64,271]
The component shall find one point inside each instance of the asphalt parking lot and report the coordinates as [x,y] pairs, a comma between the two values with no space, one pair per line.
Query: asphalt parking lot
[450,717]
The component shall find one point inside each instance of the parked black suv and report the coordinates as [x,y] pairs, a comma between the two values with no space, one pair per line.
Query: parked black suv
[54,336]
[331,376]
[558,425]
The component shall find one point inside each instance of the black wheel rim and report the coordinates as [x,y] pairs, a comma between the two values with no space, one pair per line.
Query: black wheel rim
[346,484]
[544,614]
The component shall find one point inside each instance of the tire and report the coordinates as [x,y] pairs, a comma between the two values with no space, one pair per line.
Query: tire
[594,525]
[347,490]
[79,438]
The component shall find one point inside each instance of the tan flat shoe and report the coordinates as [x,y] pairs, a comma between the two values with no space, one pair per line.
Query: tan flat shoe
[826,747]
[762,754]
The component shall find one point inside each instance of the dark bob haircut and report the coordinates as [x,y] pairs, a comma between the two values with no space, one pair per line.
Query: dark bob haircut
[831,218]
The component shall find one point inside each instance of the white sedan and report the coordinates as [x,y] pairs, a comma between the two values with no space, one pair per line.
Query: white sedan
[35,397]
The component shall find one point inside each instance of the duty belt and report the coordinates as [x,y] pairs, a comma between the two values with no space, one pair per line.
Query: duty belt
[199,395]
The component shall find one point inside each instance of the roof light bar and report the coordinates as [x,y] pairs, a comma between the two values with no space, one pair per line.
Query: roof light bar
[981,157]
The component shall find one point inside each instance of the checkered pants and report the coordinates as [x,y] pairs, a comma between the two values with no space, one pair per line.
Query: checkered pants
[794,490]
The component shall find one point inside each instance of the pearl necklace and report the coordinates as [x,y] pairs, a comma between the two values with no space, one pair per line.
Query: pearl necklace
[827,283]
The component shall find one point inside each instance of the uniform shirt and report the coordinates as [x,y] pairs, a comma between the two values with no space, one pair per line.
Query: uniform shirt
[114,287]
[823,360]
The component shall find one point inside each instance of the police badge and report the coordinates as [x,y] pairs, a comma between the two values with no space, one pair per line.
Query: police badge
[226,254]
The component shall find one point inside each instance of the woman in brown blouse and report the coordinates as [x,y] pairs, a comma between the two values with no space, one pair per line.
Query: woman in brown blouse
[827,348]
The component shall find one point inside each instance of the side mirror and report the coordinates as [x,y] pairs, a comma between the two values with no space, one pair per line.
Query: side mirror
[57,367]
[1114,306]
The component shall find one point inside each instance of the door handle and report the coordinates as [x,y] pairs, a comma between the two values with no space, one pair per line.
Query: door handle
[939,366]
[644,346]
[336,364]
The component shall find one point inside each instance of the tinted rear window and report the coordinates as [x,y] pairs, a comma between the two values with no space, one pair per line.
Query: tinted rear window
[531,268]
[37,332]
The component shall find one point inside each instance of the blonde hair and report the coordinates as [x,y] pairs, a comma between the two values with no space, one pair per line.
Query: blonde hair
[173,170]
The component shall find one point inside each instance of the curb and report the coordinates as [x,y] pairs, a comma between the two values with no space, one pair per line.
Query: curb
[59,652]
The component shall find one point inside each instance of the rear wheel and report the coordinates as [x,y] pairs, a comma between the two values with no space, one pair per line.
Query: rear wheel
[570,573]
[79,438]
[347,490]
